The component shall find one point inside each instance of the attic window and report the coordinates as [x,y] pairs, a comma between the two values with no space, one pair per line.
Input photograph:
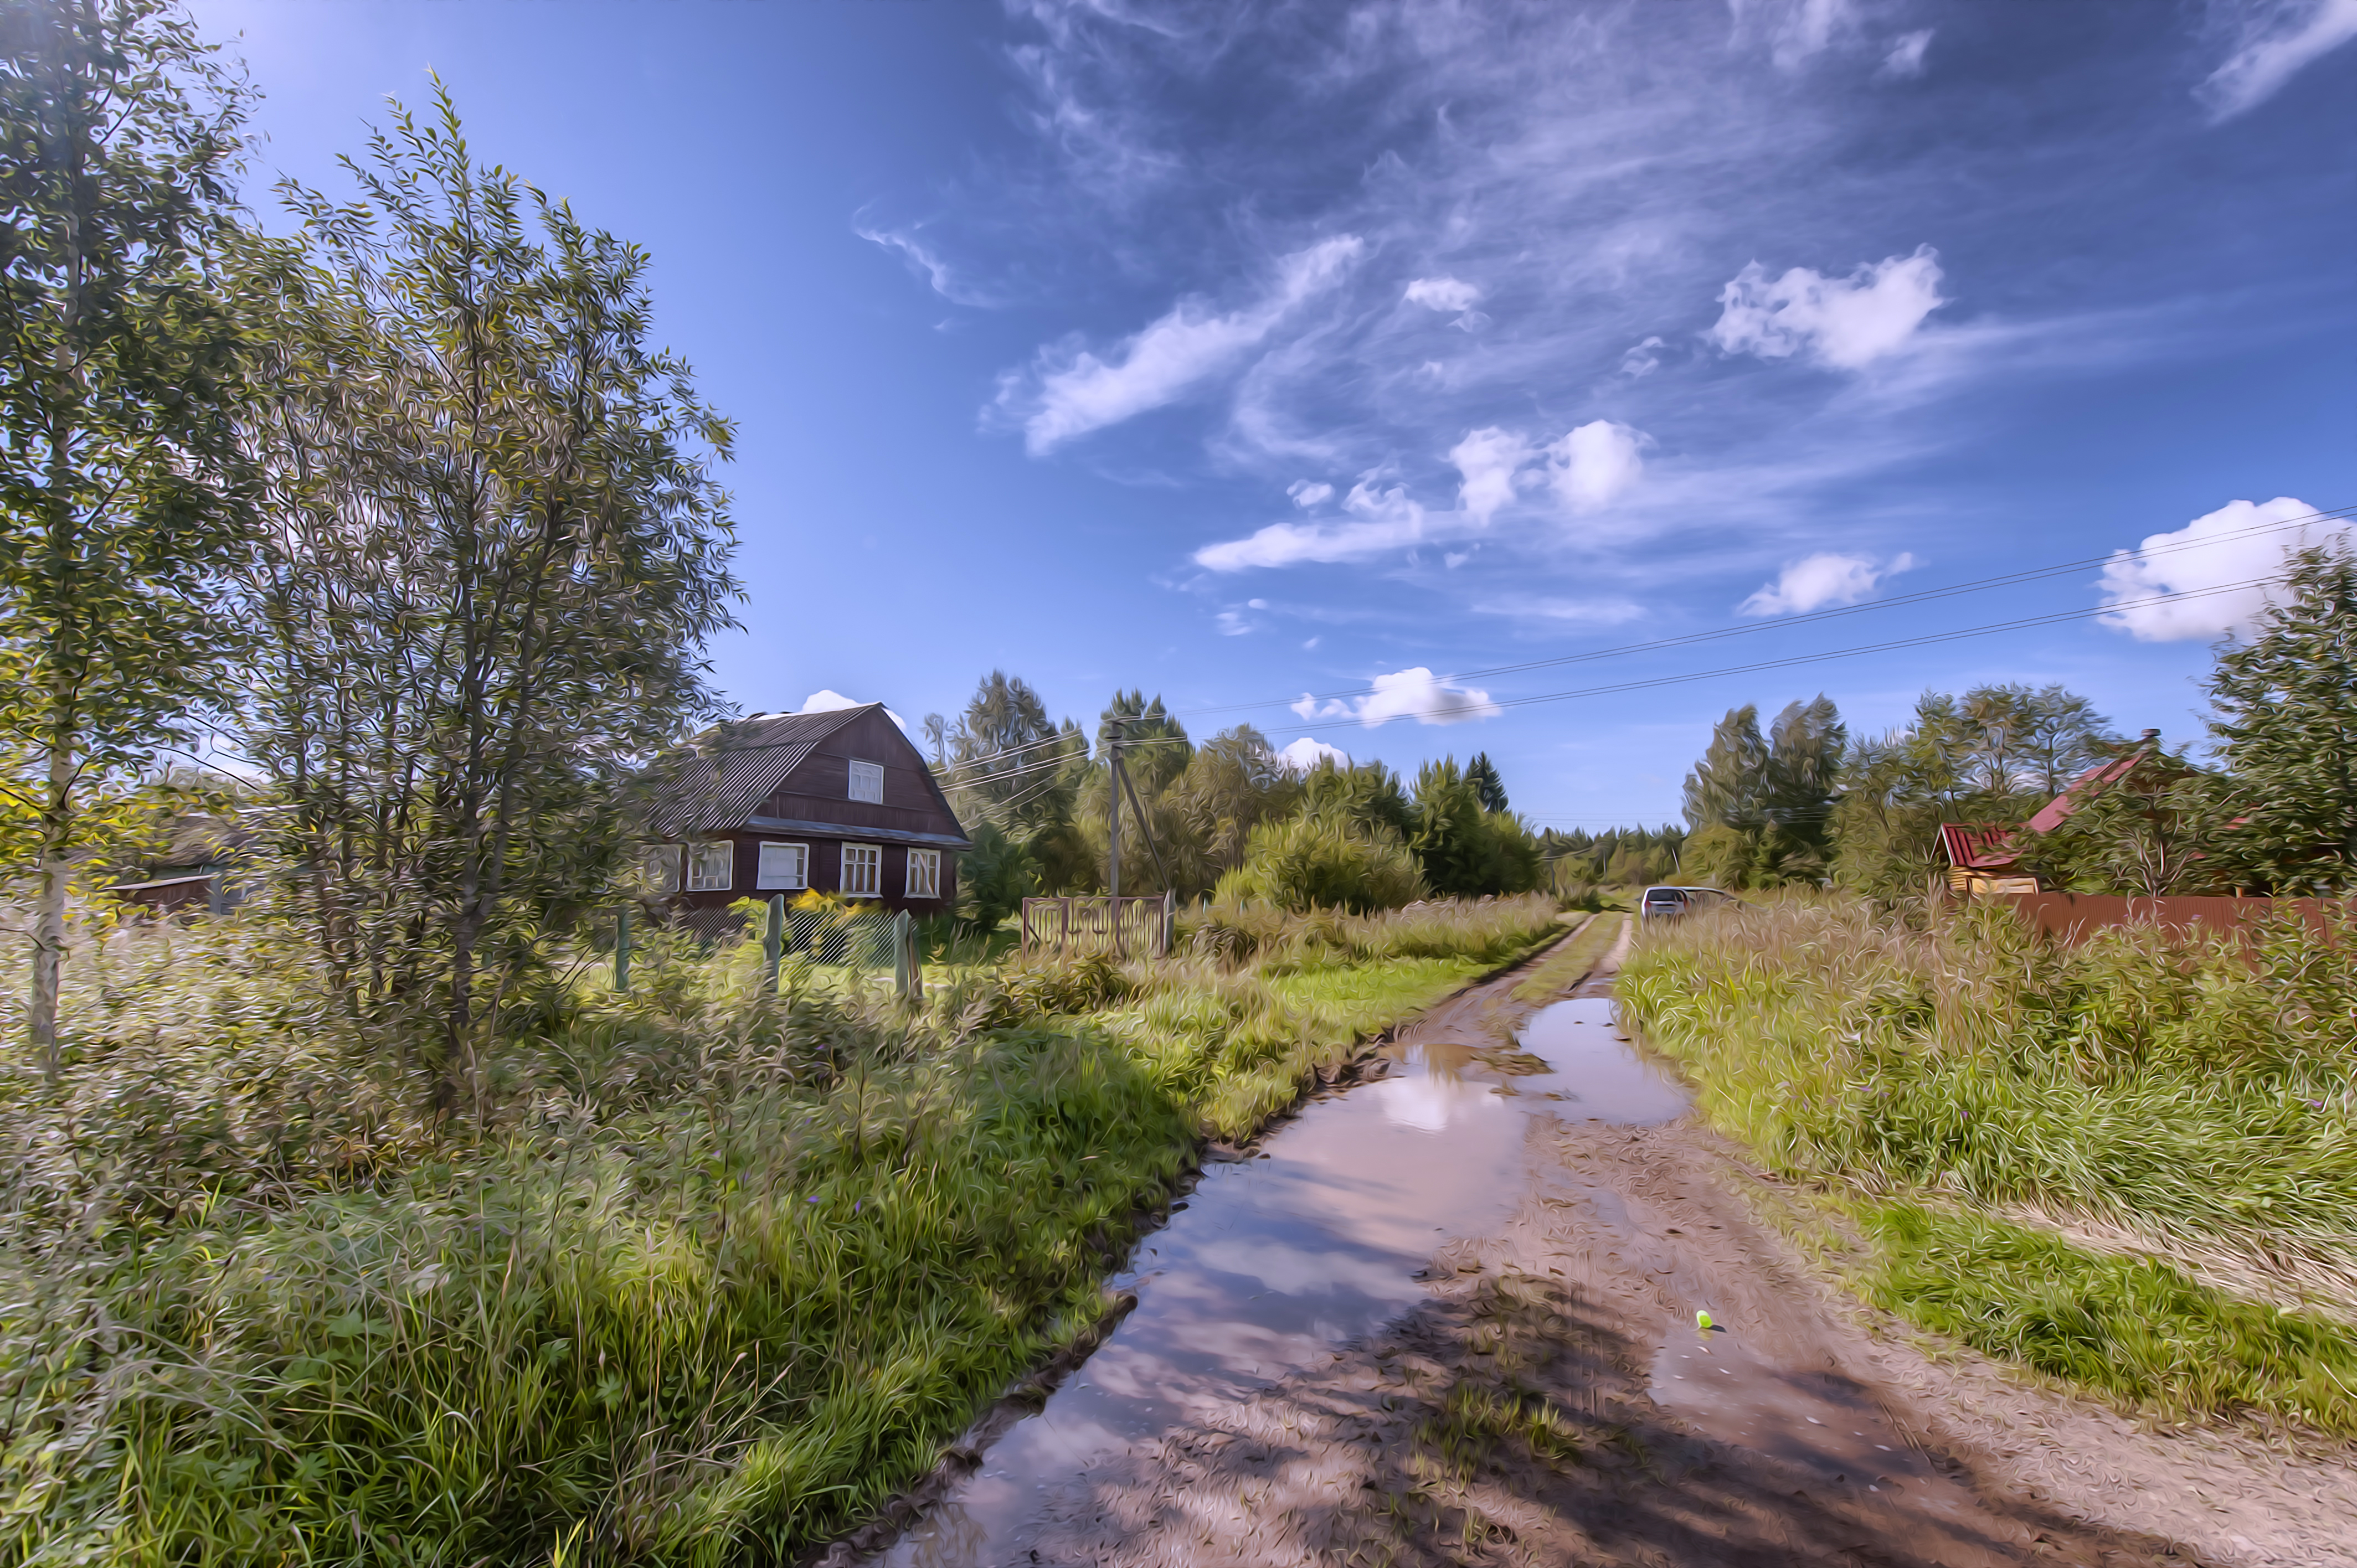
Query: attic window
[868,781]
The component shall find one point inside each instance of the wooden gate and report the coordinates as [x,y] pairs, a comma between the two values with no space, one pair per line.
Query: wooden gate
[1092,922]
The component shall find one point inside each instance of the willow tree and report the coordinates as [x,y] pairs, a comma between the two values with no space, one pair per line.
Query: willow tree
[497,550]
[120,517]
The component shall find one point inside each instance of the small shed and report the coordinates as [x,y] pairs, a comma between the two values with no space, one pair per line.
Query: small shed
[841,802]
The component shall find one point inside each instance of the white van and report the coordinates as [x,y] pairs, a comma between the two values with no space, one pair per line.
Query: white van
[1660,903]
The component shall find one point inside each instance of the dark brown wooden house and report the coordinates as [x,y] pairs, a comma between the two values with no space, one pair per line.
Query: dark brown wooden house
[838,802]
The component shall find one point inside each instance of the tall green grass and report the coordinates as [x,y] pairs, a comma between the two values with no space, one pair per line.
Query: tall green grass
[703,1274]
[2189,1101]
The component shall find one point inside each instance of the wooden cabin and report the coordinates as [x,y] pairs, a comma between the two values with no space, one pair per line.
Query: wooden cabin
[840,801]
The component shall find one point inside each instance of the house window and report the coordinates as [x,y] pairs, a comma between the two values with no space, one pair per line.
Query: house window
[711,867]
[659,867]
[924,874]
[868,781]
[863,871]
[783,865]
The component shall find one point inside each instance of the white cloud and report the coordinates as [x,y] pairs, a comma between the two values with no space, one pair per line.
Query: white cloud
[1816,581]
[1307,494]
[2164,565]
[1796,30]
[826,700]
[1420,695]
[1416,694]
[1844,322]
[1389,520]
[1306,753]
[1232,623]
[1586,612]
[1443,294]
[1641,361]
[1596,464]
[2275,40]
[1069,392]
[1906,56]
[920,256]
[1489,459]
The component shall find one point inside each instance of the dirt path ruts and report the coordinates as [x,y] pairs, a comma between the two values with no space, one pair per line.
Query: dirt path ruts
[1555,1403]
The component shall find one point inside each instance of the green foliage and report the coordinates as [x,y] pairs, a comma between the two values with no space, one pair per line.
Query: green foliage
[1463,850]
[2148,832]
[1366,795]
[1761,807]
[1482,774]
[123,507]
[1622,857]
[1307,862]
[2197,1098]
[995,877]
[499,549]
[2285,729]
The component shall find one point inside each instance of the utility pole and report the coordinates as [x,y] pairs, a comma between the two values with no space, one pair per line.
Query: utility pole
[1113,818]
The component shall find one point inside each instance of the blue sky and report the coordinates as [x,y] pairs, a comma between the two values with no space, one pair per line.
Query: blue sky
[1254,354]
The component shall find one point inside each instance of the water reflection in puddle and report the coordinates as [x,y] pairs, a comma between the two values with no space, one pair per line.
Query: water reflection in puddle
[1276,1261]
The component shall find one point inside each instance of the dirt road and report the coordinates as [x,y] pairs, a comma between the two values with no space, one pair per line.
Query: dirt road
[1550,1399]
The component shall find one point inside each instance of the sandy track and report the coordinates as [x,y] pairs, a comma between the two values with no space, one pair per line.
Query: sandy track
[1808,1431]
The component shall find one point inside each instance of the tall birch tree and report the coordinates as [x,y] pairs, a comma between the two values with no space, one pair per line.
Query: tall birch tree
[497,549]
[120,519]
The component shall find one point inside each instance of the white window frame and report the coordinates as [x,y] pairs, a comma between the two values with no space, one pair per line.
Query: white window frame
[765,880]
[928,885]
[660,864]
[702,854]
[874,773]
[874,878]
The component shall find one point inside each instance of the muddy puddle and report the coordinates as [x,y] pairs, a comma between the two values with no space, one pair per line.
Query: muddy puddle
[1326,1235]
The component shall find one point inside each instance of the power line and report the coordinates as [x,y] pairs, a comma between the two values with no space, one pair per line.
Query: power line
[1926,595]
[2019,624]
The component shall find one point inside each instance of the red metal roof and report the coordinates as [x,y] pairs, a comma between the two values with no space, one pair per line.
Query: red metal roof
[2081,789]
[1978,848]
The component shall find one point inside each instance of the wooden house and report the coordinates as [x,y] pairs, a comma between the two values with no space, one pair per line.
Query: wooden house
[840,801]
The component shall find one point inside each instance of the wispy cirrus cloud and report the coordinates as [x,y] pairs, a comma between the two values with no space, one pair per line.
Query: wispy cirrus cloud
[1069,390]
[2273,41]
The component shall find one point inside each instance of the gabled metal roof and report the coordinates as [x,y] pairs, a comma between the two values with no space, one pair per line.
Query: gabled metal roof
[722,775]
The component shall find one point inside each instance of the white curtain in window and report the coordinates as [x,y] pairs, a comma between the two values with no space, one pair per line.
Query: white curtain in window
[924,874]
[868,781]
[783,865]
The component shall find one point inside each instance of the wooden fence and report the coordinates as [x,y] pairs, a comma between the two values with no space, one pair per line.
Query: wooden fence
[2068,917]
[1125,928]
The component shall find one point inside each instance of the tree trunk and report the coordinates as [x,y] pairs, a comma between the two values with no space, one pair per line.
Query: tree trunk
[50,916]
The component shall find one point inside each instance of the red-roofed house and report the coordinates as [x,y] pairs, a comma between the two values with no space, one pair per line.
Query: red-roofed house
[1984,859]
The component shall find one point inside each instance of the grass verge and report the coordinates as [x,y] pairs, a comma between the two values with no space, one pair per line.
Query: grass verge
[706,1275]
[2194,1103]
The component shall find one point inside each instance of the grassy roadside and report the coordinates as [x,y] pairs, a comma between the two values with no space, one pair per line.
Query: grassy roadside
[2090,1160]
[713,1273]
[1573,961]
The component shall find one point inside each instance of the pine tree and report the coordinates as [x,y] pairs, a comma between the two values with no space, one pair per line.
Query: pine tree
[1482,774]
[2286,726]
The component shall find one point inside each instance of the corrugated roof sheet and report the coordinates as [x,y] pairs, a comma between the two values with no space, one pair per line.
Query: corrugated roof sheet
[722,777]
[1978,848]
[2081,789]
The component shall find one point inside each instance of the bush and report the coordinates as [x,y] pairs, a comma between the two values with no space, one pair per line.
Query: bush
[1311,863]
